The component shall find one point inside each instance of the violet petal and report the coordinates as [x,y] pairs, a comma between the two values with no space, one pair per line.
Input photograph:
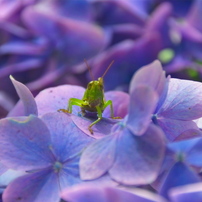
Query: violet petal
[143,102]
[90,193]
[39,186]
[183,100]
[156,80]
[53,99]
[174,128]
[98,158]
[26,96]
[120,102]
[139,156]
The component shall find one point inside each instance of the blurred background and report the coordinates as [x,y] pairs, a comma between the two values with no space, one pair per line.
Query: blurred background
[43,43]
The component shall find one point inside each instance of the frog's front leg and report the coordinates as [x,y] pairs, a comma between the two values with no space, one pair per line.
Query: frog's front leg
[72,101]
[109,103]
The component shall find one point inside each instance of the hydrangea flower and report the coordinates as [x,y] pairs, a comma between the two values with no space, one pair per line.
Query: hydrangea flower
[134,135]
[179,101]
[58,98]
[48,149]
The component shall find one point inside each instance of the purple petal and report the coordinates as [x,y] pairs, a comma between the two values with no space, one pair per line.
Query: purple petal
[58,98]
[100,129]
[156,80]
[32,63]
[195,14]
[139,156]
[65,33]
[9,8]
[158,22]
[39,186]
[22,48]
[86,193]
[177,178]
[120,102]
[46,80]
[189,134]
[174,128]
[120,12]
[24,143]
[186,193]
[73,139]
[98,158]
[183,100]
[26,96]
[124,54]
[143,102]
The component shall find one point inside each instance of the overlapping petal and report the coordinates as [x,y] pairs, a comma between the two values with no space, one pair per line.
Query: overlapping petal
[98,158]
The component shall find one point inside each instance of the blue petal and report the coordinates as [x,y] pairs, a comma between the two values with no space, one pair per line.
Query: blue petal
[67,139]
[179,175]
[24,143]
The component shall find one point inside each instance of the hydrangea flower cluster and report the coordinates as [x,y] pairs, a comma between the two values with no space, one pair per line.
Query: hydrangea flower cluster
[44,43]
[152,154]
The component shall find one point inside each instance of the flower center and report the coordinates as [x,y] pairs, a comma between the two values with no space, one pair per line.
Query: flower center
[57,167]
